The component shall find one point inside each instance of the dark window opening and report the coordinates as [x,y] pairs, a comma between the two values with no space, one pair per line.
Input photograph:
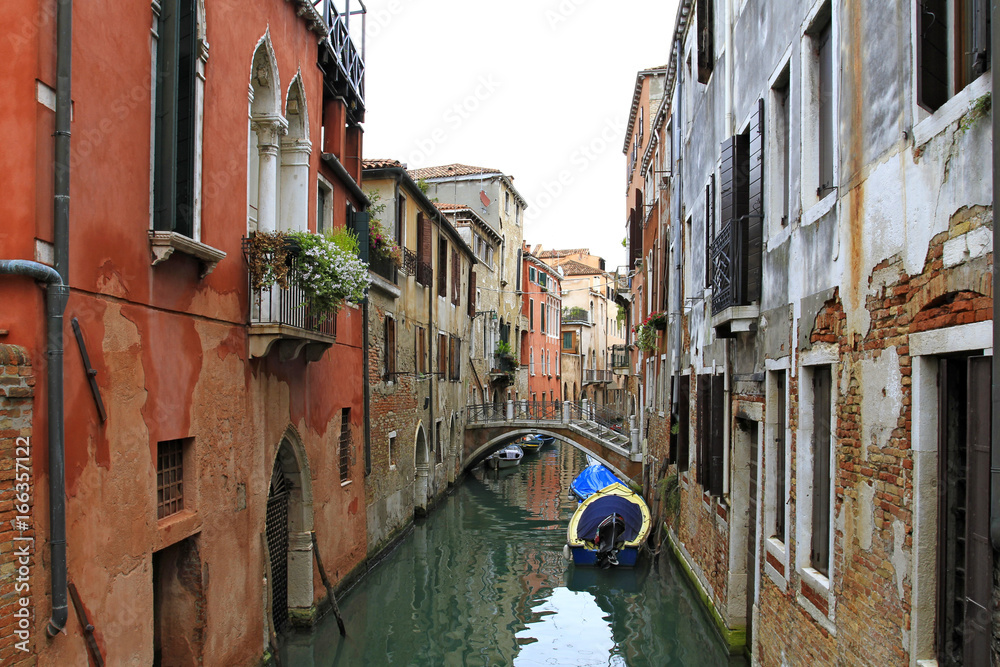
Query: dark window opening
[706,39]
[442,267]
[346,443]
[779,457]
[173,178]
[953,49]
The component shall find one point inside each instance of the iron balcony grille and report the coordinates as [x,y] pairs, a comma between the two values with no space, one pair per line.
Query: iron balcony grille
[729,266]
[385,267]
[350,61]
[274,305]
[425,274]
[409,266]
[594,376]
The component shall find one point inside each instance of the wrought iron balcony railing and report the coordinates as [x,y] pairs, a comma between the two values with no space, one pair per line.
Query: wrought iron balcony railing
[350,61]
[278,313]
[425,274]
[595,376]
[729,266]
[409,266]
[384,267]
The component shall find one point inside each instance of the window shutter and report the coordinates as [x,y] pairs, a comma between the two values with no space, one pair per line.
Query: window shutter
[683,418]
[820,546]
[359,223]
[456,278]
[755,224]
[706,39]
[727,181]
[704,409]
[472,292]
[716,473]
[978,550]
[932,53]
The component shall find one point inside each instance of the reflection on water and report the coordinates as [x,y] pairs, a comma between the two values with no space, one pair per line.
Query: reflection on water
[483,582]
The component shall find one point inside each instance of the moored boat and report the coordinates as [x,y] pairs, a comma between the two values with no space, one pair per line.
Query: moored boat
[529,443]
[508,457]
[593,478]
[608,528]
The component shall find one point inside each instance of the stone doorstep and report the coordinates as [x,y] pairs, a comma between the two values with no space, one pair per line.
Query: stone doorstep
[735,639]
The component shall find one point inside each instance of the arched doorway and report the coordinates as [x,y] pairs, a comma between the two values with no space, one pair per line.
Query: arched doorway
[422,467]
[287,527]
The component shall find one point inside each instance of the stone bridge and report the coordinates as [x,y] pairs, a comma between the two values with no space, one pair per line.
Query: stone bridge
[587,427]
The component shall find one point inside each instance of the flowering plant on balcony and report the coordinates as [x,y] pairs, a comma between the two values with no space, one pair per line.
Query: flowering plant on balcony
[324,267]
[645,336]
[380,241]
[329,270]
[657,319]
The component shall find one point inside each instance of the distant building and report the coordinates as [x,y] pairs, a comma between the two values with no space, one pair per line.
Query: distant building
[494,210]
[421,307]
[541,286]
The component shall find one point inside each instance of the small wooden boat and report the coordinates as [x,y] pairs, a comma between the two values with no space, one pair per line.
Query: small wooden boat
[608,528]
[529,443]
[593,478]
[508,457]
[547,439]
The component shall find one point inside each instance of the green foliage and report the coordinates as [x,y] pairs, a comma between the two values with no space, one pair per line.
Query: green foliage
[422,184]
[504,349]
[380,241]
[669,491]
[625,242]
[575,314]
[622,314]
[645,337]
[328,273]
[980,107]
[345,239]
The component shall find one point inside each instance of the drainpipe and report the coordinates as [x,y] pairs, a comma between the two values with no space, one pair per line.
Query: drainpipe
[367,388]
[730,61]
[678,224]
[995,427]
[56,294]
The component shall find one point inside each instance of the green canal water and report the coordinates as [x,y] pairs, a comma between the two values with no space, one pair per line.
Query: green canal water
[482,582]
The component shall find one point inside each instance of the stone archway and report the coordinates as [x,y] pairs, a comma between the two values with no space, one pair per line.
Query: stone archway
[288,526]
[421,461]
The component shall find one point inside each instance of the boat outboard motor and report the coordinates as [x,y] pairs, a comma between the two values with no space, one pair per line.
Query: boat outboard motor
[609,540]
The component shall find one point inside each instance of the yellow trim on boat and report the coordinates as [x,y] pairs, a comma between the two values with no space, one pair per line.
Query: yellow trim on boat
[615,489]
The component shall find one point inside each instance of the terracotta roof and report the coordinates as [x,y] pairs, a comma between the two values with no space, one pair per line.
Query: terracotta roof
[545,254]
[380,164]
[451,207]
[573,268]
[448,170]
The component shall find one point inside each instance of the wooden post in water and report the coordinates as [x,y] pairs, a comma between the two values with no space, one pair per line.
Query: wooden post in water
[329,588]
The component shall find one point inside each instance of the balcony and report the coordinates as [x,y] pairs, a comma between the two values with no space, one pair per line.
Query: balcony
[340,59]
[409,266]
[280,321]
[620,360]
[594,376]
[385,274]
[736,278]
[425,274]
[503,369]
[575,316]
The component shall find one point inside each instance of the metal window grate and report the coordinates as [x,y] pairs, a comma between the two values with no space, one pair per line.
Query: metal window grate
[276,531]
[169,478]
[345,445]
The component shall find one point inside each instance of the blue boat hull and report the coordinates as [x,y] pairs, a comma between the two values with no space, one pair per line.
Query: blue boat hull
[627,557]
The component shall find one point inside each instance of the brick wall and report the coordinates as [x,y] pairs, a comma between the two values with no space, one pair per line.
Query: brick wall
[873,476]
[16,402]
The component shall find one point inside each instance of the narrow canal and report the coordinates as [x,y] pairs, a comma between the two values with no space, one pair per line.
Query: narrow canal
[482,582]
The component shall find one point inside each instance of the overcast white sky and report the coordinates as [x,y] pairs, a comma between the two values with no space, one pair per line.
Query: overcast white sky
[539,89]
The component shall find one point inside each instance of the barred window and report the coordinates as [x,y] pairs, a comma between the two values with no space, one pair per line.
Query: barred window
[169,478]
[345,445]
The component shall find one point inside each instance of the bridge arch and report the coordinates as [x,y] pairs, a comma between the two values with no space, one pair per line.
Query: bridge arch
[497,442]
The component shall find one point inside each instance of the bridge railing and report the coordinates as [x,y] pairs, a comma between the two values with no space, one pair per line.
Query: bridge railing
[486,413]
[538,411]
[610,423]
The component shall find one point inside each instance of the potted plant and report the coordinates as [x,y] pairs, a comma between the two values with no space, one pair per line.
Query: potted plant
[324,267]
[645,337]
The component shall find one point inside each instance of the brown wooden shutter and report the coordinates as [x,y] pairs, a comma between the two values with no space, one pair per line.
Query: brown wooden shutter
[706,39]
[978,550]
[932,53]
[704,409]
[683,422]
[390,348]
[442,267]
[717,442]
[755,192]
[820,545]
[456,278]
[472,292]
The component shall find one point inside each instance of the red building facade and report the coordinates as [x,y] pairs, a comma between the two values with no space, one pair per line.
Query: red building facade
[542,307]
[212,431]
